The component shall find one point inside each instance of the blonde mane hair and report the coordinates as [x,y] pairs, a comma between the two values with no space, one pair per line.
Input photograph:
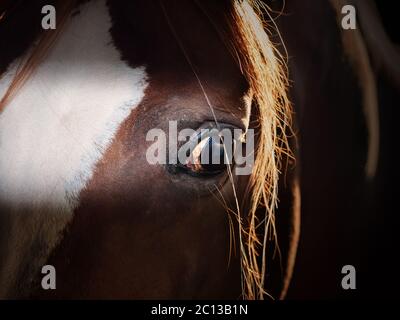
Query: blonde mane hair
[266,73]
[265,70]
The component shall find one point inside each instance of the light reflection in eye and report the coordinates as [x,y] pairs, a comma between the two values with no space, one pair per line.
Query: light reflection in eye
[210,155]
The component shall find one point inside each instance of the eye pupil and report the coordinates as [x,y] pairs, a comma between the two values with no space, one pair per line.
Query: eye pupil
[209,156]
[213,156]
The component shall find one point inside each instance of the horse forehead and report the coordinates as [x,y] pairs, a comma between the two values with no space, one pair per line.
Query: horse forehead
[67,114]
[158,35]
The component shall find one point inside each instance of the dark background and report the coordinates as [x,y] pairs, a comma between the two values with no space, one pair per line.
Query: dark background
[382,273]
[345,219]
[390,19]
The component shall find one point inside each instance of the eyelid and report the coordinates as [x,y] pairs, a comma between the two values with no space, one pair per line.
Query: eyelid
[233,128]
[225,121]
[211,125]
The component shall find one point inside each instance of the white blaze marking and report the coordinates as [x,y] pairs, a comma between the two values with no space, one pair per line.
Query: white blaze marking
[56,129]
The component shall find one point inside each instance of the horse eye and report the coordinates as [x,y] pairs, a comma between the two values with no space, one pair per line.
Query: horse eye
[209,156]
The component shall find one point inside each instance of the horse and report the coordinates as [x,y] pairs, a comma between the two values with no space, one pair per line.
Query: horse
[76,190]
